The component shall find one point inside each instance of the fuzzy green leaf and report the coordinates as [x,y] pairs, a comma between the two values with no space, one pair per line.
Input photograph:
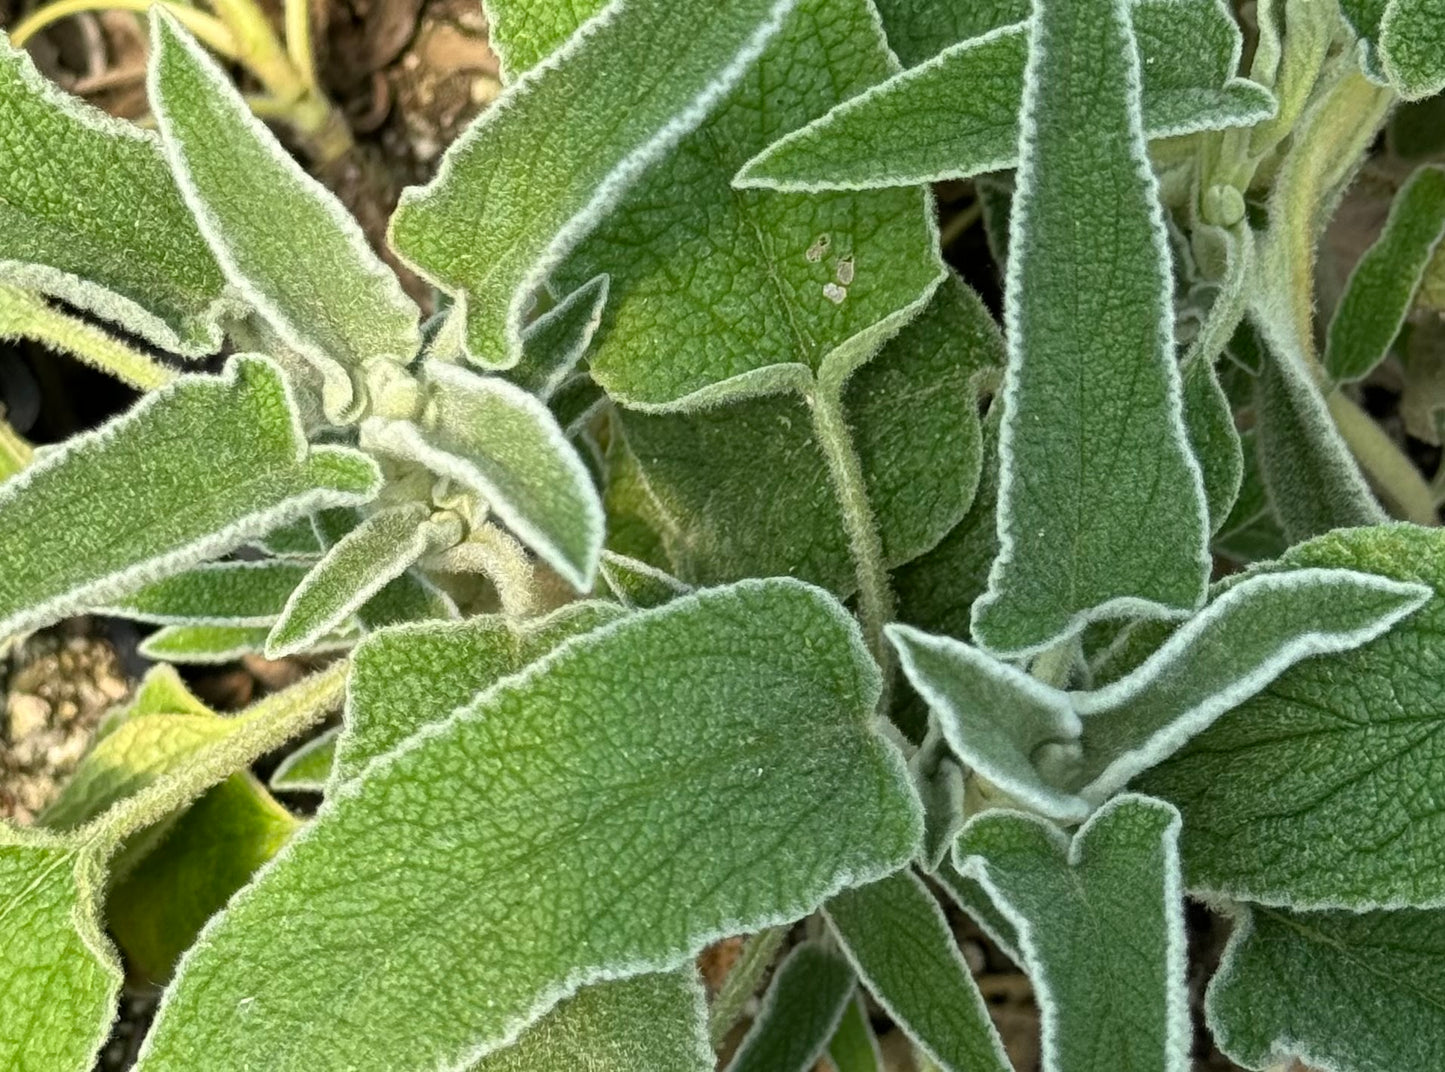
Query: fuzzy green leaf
[1251,532]
[958,114]
[1234,648]
[995,717]
[1101,928]
[1209,424]
[295,539]
[673,755]
[1412,47]
[920,29]
[215,593]
[405,679]
[638,585]
[970,896]
[534,174]
[1318,791]
[59,976]
[89,213]
[853,1047]
[336,304]
[1338,990]
[1382,287]
[805,1002]
[718,292]
[496,439]
[656,1021]
[308,769]
[554,343]
[356,567]
[165,508]
[904,951]
[1101,506]
[203,645]
[742,489]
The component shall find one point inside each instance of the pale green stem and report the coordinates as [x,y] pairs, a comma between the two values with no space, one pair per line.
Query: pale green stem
[25,315]
[262,728]
[959,224]
[298,40]
[15,453]
[741,983]
[210,31]
[1393,474]
[875,591]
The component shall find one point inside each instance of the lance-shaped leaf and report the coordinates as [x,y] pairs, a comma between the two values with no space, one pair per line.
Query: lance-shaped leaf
[1229,652]
[1382,287]
[295,539]
[308,769]
[534,174]
[215,593]
[656,1021]
[742,488]
[165,508]
[1209,423]
[89,213]
[854,1047]
[59,976]
[717,292]
[1251,532]
[638,585]
[672,757]
[496,439]
[904,951]
[805,1002]
[356,567]
[554,343]
[997,719]
[941,785]
[1101,505]
[1335,989]
[1318,792]
[256,206]
[404,679]
[1412,47]
[920,29]
[203,645]
[958,114]
[1101,927]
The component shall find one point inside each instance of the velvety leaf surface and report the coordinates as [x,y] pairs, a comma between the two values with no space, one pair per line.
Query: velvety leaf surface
[905,953]
[1337,989]
[1382,287]
[919,29]
[308,769]
[1412,47]
[742,489]
[853,1047]
[1209,424]
[1101,505]
[496,439]
[1318,792]
[554,343]
[534,174]
[1251,532]
[89,213]
[656,1021]
[673,756]
[1101,928]
[215,593]
[638,585]
[295,539]
[257,207]
[59,976]
[213,644]
[804,1004]
[165,509]
[405,679]
[958,114]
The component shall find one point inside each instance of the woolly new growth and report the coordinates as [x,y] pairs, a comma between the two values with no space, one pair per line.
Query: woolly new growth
[357,566]
[854,1047]
[1213,439]
[718,756]
[957,115]
[1338,990]
[407,678]
[743,488]
[257,207]
[1315,793]
[650,1021]
[1101,504]
[535,173]
[490,552]
[308,768]
[904,951]
[717,294]
[809,992]
[1117,1003]
[90,214]
[995,717]
[234,594]
[1412,47]
[637,585]
[212,645]
[1231,651]
[59,976]
[165,508]
[553,344]
[1382,288]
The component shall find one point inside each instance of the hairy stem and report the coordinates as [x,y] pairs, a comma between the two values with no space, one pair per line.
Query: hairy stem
[298,41]
[15,453]
[758,952]
[210,31]
[24,315]
[261,728]
[1395,475]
